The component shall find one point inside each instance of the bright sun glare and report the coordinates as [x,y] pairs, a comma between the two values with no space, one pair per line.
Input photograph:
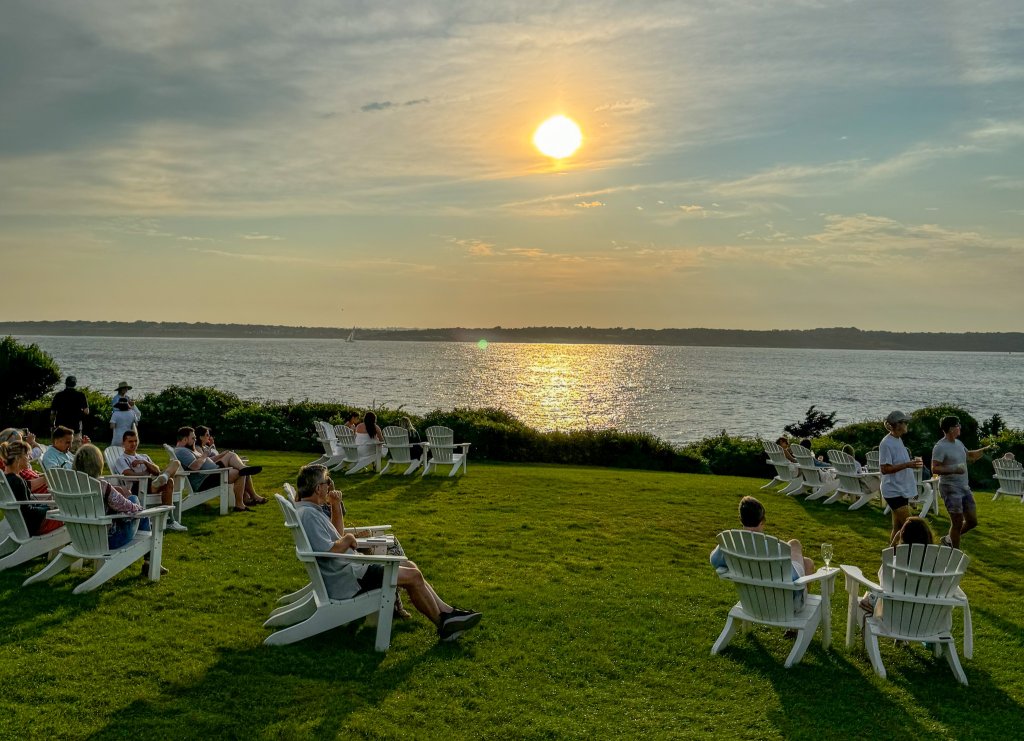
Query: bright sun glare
[558,137]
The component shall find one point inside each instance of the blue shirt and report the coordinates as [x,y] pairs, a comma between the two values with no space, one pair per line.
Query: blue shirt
[53,458]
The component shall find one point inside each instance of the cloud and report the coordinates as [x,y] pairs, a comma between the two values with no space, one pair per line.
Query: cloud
[633,105]
[385,104]
[261,237]
[589,204]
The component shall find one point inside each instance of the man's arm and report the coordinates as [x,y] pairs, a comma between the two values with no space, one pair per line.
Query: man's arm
[973,455]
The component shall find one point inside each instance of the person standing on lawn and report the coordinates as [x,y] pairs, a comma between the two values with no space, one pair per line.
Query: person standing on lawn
[899,484]
[69,408]
[949,460]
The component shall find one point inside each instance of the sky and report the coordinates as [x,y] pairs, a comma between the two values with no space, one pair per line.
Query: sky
[745,163]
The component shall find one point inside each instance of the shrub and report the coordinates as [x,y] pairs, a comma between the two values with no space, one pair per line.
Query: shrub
[26,374]
[863,436]
[733,456]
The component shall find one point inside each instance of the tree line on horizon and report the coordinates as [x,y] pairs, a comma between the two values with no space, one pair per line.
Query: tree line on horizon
[833,338]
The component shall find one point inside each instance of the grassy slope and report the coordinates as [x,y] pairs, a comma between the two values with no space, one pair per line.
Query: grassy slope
[600,610]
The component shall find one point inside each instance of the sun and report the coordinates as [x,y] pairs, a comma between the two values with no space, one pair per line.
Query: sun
[558,137]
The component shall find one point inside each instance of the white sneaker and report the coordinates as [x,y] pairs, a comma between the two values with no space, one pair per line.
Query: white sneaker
[160,481]
[175,527]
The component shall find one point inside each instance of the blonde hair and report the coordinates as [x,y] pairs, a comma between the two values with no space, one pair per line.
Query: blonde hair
[89,460]
[12,450]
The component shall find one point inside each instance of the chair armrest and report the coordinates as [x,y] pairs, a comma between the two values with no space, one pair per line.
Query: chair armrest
[152,511]
[207,472]
[30,503]
[855,576]
[821,574]
[369,529]
[353,557]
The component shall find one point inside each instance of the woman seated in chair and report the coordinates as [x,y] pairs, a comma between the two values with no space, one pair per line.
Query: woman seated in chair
[15,456]
[116,500]
[228,459]
[36,481]
[915,530]
[783,443]
[367,432]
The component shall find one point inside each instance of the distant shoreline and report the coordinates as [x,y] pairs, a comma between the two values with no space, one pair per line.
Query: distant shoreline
[836,338]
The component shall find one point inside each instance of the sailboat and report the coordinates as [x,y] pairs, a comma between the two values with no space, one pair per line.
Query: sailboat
[351,336]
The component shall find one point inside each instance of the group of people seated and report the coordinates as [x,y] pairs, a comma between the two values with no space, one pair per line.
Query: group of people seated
[369,434]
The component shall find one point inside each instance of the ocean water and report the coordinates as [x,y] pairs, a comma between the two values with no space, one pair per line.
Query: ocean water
[680,394]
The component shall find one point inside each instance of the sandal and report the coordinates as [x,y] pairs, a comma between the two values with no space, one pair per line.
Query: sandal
[242,509]
[257,500]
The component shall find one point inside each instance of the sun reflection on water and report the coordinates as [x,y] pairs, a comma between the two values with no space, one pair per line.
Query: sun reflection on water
[565,387]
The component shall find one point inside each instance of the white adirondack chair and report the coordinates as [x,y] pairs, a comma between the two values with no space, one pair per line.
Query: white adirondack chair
[290,600]
[400,451]
[185,497]
[871,460]
[920,587]
[80,506]
[355,461]
[1010,475]
[817,482]
[16,545]
[861,487]
[314,612]
[786,473]
[760,567]
[442,451]
[333,456]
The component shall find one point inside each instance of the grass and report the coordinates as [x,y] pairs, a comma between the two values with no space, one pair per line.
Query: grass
[600,611]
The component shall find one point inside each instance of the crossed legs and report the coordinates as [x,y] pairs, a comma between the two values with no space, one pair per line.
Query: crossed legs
[423,596]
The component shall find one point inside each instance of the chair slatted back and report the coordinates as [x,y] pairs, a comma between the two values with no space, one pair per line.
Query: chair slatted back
[110,454]
[441,441]
[845,465]
[79,498]
[777,458]
[912,572]
[289,491]
[397,440]
[1010,475]
[871,460]
[291,521]
[347,442]
[325,434]
[760,566]
[12,511]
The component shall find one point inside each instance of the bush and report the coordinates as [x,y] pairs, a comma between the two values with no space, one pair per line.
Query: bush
[863,436]
[26,374]
[733,456]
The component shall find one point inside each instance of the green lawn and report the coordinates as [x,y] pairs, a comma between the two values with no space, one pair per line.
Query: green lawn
[599,613]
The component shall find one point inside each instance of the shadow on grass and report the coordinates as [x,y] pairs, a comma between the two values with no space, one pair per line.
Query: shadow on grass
[33,610]
[804,688]
[305,690]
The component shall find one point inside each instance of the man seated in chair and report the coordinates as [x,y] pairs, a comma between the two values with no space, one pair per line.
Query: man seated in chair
[134,463]
[754,518]
[346,580]
[193,460]
[58,455]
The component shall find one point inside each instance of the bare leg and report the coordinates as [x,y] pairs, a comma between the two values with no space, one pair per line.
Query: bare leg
[899,516]
[238,485]
[231,460]
[970,521]
[423,596]
[958,526]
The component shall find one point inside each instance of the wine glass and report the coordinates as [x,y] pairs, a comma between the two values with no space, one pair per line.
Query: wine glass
[826,553]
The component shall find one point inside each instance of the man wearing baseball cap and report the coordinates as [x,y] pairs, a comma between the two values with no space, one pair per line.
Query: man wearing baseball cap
[899,484]
[69,408]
